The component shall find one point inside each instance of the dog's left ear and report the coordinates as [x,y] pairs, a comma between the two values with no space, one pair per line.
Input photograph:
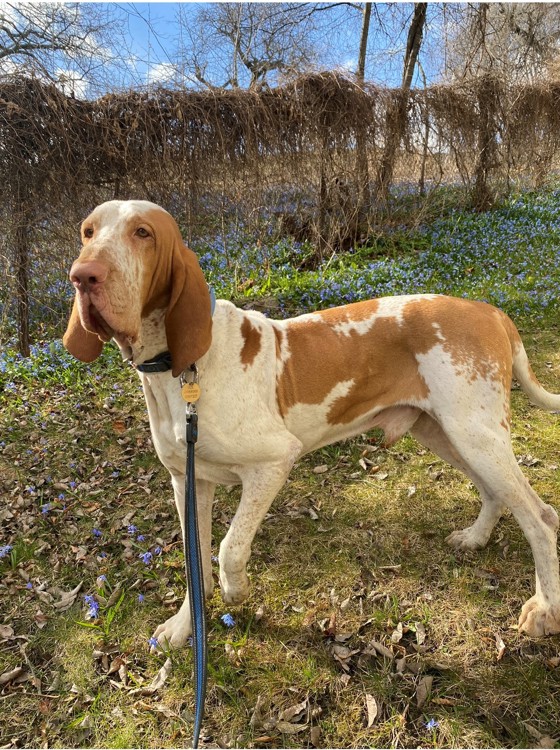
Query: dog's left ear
[82,344]
[188,321]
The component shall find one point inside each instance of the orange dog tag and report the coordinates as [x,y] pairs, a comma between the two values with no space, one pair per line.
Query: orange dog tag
[190,392]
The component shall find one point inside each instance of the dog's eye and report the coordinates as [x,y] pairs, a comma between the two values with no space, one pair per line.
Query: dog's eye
[88,232]
[141,232]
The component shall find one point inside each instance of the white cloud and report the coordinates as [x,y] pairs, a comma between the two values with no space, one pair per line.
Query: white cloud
[350,65]
[161,73]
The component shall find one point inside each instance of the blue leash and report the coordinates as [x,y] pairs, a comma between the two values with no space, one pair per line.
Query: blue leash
[193,560]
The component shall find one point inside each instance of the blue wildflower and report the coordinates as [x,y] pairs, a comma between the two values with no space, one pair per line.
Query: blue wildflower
[141,598]
[432,724]
[5,550]
[92,605]
[153,642]
[132,529]
[146,557]
[228,620]
[140,538]
[96,533]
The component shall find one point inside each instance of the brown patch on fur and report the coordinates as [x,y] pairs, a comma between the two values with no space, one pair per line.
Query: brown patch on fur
[382,361]
[251,343]
[278,339]
[321,357]
[478,337]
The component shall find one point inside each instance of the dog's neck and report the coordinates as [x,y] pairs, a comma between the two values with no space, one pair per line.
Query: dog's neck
[151,339]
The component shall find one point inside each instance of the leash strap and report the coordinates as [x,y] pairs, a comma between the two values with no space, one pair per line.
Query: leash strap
[193,558]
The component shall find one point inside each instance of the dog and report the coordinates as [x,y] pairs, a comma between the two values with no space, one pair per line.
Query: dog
[435,366]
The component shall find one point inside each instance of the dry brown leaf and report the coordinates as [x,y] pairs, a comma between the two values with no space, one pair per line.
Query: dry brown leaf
[119,426]
[67,599]
[372,709]
[423,690]
[161,677]
[257,718]
[12,674]
[6,631]
[41,619]
[287,728]
[500,646]
[115,665]
[315,736]
[320,469]
[381,649]
[420,633]
[397,634]
[293,712]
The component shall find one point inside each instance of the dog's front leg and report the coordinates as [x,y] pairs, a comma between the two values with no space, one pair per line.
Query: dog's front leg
[175,631]
[261,484]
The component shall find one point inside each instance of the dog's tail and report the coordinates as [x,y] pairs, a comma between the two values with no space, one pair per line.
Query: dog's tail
[523,373]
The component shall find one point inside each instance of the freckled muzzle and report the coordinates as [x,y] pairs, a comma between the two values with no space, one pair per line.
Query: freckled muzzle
[90,278]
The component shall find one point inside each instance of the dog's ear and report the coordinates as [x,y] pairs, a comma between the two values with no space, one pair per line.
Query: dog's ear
[82,344]
[188,321]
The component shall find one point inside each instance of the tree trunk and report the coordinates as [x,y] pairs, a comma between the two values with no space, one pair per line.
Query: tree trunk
[483,197]
[396,110]
[21,253]
[362,171]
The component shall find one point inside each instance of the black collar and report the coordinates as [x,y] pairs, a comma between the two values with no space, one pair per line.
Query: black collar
[160,363]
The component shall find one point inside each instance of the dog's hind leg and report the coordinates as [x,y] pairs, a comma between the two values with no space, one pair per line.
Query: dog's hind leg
[428,432]
[486,451]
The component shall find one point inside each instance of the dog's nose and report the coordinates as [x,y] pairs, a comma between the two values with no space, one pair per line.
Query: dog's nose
[89,274]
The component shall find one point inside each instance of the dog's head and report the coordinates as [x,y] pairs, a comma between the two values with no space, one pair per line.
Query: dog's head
[133,261]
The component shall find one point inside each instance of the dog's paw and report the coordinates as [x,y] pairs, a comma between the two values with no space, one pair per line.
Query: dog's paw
[539,618]
[235,588]
[173,633]
[466,539]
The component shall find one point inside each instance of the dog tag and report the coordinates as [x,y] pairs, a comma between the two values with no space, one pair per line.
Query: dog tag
[190,392]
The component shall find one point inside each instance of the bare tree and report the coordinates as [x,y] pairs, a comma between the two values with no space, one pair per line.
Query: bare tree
[74,45]
[244,45]
[514,41]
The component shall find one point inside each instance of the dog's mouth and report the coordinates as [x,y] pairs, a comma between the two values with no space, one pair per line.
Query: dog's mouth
[98,325]
[96,317]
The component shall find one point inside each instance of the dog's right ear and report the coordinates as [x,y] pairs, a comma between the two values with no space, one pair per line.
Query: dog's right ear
[82,344]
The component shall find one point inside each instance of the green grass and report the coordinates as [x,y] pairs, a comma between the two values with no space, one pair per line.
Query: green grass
[371,554]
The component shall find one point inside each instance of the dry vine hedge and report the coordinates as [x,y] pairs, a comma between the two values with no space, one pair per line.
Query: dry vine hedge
[290,153]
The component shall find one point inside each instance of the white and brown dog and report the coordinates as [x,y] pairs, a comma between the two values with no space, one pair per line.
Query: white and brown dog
[437,367]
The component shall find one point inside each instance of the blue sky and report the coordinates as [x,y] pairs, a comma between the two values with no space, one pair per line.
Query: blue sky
[144,43]
[152,33]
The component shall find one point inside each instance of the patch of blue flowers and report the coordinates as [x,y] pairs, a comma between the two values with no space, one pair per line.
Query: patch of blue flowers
[508,256]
